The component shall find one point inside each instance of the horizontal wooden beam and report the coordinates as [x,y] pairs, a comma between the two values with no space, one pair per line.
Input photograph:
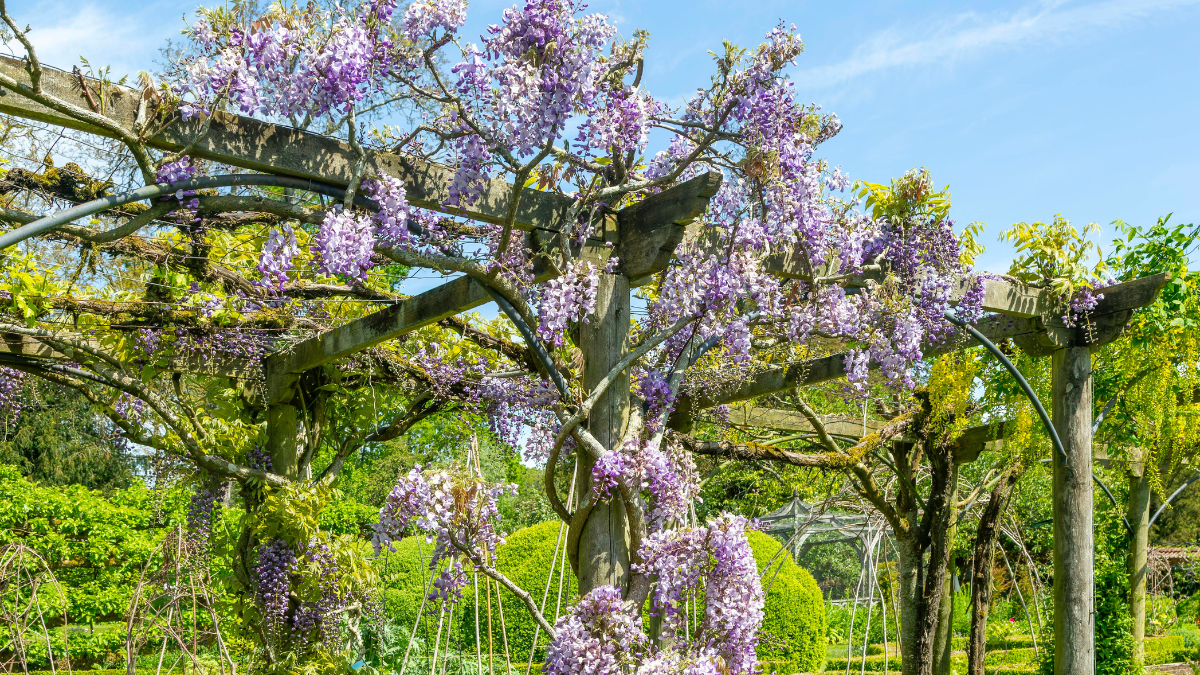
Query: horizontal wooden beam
[271,148]
[645,240]
[1105,323]
[746,415]
[1118,301]
[207,364]
[967,447]
[440,302]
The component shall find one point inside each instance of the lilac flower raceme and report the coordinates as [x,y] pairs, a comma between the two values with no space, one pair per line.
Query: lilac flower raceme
[596,637]
[344,244]
[457,510]
[12,385]
[307,63]
[278,253]
[568,297]
[392,218]
[603,635]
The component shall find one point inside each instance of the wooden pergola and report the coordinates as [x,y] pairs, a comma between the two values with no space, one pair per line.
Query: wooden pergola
[644,237]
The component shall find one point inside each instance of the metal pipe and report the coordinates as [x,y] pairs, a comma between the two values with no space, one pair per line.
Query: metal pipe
[1029,393]
[530,339]
[159,190]
[1171,498]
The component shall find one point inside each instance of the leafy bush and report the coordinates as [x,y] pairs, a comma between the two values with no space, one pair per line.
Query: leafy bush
[793,633]
[96,545]
[527,558]
[794,625]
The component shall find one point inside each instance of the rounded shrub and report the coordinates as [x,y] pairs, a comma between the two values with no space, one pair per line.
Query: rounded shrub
[794,622]
[405,578]
[527,558]
[792,638]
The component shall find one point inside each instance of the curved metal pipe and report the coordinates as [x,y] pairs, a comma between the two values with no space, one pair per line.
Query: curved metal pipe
[159,190]
[530,339]
[1021,381]
[1171,498]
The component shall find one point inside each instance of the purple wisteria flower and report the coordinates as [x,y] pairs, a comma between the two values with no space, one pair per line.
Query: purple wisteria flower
[344,244]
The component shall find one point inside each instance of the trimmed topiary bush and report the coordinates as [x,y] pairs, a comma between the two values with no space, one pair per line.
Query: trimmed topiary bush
[526,557]
[794,624]
[404,575]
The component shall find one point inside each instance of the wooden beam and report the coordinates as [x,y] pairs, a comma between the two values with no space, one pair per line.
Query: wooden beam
[1118,301]
[655,225]
[212,365]
[746,415]
[650,230]
[823,369]
[1100,326]
[448,299]
[967,448]
[271,148]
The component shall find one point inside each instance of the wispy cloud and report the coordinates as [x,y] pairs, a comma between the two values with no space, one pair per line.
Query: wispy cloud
[103,35]
[970,34]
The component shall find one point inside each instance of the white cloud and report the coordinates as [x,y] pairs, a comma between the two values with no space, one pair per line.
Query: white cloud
[969,34]
[104,35]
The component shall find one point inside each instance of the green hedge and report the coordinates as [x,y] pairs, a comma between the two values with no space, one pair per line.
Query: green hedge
[794,624]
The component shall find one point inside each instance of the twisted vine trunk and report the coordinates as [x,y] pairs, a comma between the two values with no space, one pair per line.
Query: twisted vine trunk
[981,567]
[924,553]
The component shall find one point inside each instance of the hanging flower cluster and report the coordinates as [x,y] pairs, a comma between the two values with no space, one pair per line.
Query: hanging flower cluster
[602,634]
[344,244]
[278,254]
[12,386]
[566,298]
[288,64]
[457,510]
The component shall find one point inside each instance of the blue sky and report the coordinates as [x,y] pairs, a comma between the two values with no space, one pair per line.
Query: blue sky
[1025,109]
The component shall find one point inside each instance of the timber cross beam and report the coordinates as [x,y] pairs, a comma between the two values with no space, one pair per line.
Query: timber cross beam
[644,240]
[967,448]
[1038,335]
[272,148]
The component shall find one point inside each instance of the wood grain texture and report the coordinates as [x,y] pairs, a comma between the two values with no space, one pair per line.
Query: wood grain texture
[271,148]
[1074,606]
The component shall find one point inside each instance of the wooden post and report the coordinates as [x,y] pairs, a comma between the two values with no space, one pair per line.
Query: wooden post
[282,439]
[1074,604]
[1139,519]
[604,541]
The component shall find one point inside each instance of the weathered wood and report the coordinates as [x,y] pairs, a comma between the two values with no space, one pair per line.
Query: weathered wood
[283,440]
[440,302]
[217,365]
[1098,327]
[746,415]
[1138,513]
[260,146]
[652,228]
[977,440]
[1074,606]
[646,241]
[604,541]
[827,368]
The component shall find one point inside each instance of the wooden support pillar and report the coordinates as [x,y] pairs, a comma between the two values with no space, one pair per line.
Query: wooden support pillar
[1138,513]
[1074,603]
[283,433]
[604,541]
